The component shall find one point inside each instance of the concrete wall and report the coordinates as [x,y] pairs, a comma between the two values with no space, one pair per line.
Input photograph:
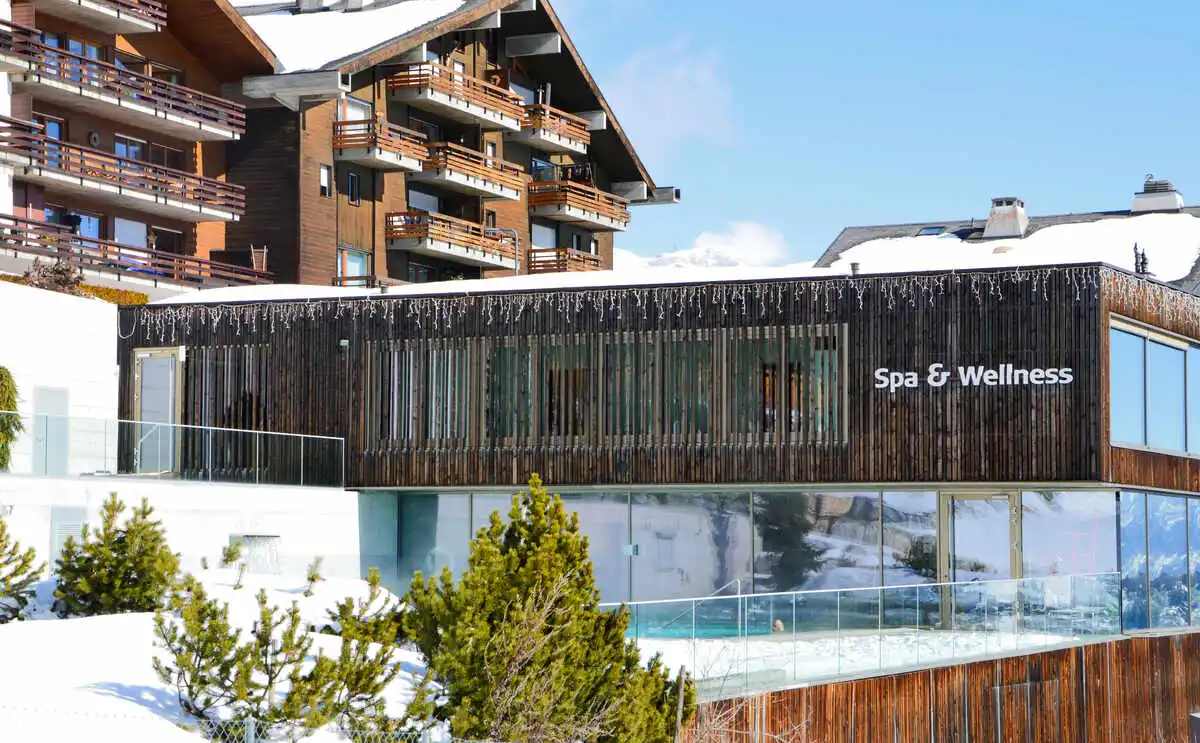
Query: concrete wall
[200,519]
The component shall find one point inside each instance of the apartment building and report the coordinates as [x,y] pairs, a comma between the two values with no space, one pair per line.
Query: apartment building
[424,140]
[113,139]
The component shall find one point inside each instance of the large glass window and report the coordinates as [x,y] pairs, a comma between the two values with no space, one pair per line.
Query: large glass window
[1165,406]
[1167,561]
[1068,533]
[690,545]
[1127,387]
[1134,589]
[604,519]
[434,532]
[910,524]
[1193,399]
[1194,542]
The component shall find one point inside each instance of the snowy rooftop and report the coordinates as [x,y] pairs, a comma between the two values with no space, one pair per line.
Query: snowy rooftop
[312,40]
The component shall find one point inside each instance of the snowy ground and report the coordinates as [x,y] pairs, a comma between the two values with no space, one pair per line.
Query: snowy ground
[92,680]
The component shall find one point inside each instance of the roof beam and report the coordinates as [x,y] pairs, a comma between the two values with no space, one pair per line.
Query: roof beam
[532,44]
[416,54]
[597,120]
[489,21]
[291,88]
[631,190]
[521,6]
[660,195]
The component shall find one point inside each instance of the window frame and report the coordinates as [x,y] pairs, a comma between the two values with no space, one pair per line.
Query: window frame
[325,181]
[1147,334]
[353,188]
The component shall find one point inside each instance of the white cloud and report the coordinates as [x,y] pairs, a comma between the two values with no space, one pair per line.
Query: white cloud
[671,95]
[743,244]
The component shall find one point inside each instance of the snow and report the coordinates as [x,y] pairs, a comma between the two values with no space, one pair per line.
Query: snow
[1171,242]
[92,679]
[309,41]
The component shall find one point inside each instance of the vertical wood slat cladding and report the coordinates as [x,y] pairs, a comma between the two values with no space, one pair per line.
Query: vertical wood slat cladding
[1136,689]
[675,384]
[266,162]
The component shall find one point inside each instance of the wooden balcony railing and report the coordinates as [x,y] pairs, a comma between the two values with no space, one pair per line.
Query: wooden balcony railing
[148,10]
[418,75]
[377,133]
[554,260]
[541,116]
[25,43]
[44,240]
[450,156]
[418,225]
[579,196]
[24,139]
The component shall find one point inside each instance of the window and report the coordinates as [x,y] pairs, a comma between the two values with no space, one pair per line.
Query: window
[1154,389]
[83,224]
[352,195]
[489,218]
[528,94]
[352,262]
[1167,560]
[167,240]
[576,242]
[419,274]
[490,150]
[543,170]
[543,236]
[924,231]
[1165,407]
[423,202]
[168,157]
[326,180]
[129,232]
[355,109]
[460,72]
[127,147]
[791,387]
[432,132]
[1127,387]
[166,73]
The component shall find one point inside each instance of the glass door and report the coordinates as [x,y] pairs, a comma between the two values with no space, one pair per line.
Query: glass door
[980,552]
[157,374]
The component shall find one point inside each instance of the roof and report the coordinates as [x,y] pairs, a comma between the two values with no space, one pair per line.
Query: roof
[1171,242]
[221,38]
[354,41]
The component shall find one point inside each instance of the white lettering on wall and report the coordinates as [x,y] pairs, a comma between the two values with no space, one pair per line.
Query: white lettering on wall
[1004,375]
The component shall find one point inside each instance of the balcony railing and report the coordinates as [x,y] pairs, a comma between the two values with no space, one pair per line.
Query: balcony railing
[472,171]
[22,143]
[180,105]
[572,201]
[376,134]
[555,260]
[27,238]
[418,225]
[546,118]
[115,16]
[464,91]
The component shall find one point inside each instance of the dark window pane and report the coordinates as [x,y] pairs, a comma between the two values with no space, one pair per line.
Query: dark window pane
[1133,561]
[690,545]
[1168,561]
[1068,533]
[1127,388]
[1165,407]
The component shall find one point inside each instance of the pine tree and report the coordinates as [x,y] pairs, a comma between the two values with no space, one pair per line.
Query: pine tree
[120,568]
[231,554]
[369,628]
[520,648]
[19,574]
[10,423]
[313,576]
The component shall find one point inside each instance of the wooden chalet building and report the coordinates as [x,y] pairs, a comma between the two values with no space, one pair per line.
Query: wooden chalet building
[402,143]
[113,139]
[774,435]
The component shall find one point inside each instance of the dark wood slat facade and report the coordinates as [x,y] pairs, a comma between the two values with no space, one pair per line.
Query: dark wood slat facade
[719,383]
[1137,689]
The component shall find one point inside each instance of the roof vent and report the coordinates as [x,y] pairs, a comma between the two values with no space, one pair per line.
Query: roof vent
[1007,218]
[1157,195]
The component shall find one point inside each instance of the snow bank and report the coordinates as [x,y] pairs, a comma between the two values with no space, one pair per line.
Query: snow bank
[309,41]
[92,679]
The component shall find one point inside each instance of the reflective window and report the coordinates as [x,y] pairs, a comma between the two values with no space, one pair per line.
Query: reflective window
[1165,407]
[910,523]
[981,548]
[1193,401]
[690,545]
[1127,387]
[1169,604]
[1194,541]
[1134,589]
[1068,533]
[604,519]
[433,532]
[809,541]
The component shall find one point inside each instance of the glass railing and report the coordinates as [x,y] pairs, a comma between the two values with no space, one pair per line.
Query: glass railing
[66,446]
[748,643]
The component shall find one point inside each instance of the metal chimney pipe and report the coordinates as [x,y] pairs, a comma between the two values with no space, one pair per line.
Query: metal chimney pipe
[854,268]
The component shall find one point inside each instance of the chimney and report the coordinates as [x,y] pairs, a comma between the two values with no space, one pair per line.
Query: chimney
[308,6]
[1007,218]
[1157,195]
[854,268]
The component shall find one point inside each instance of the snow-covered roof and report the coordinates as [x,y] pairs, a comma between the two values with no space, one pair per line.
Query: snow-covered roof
[1171,243]
[312,40]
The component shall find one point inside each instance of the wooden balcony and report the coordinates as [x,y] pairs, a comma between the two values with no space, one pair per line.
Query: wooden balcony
[568,201]
[556,260]
[22,241]
[109,16]
[457,168]
[448,238]
[456,96]
[133,184]
[114,93]
[379,145]
[552,130]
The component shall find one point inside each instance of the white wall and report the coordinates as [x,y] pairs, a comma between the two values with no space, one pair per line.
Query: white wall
[62,351]
[199,518]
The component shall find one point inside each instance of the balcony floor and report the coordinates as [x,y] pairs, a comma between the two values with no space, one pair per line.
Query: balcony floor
[451,252]
[112,192]
[99,16]
[456,109]
[378,158]
[547,140]
[459,182]
[120,108]
[582,217]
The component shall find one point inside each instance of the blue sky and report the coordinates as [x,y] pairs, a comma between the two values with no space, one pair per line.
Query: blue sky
[798,118]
